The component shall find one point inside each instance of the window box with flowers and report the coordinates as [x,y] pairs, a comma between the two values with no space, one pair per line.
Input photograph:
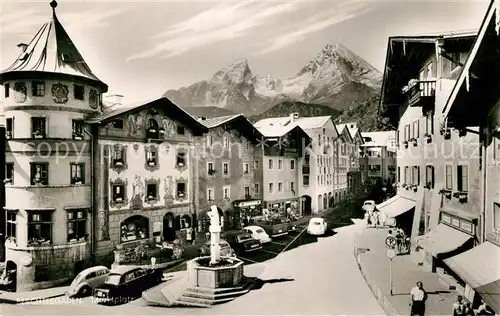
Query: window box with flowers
[413,141]
[445,132]
[211,172]
[446,193]
[411,84]
[428,186]
[38,134]
[405,144]
[461,196]
[428,138]
[414,188]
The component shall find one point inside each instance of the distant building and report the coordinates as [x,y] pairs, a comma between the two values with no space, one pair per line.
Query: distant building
[378,156]
[354,174]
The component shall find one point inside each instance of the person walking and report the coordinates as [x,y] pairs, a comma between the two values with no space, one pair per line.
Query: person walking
[418,297]
[484,309]
[399,240]
[468,309]
[459,308]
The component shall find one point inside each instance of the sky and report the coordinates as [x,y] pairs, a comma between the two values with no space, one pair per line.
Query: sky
[143,48]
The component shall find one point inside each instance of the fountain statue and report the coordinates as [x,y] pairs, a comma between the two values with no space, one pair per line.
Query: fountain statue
[215,230]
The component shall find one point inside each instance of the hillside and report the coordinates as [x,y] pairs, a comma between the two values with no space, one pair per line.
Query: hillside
[304,109]
[207,111]
[365,114]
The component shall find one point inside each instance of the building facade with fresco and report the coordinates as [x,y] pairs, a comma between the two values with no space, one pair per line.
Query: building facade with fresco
[230,171]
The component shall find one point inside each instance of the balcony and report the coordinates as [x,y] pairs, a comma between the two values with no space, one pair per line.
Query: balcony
[421,93]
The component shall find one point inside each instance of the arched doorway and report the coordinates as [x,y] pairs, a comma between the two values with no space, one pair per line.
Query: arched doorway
[11,273]
[330,199]
[306,205]
[168,227]
[325,201]
[134,228]
[320,199]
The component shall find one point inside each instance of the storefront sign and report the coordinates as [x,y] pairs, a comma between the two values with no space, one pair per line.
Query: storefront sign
[445,219]
[249,203]
[455,222]
[466,226]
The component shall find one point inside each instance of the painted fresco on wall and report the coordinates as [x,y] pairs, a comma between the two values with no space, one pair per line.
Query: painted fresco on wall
[169,126]
[93,99]
[169,189]
[60,93]
[104,225]
[137,193]
[135,124]
[20,91]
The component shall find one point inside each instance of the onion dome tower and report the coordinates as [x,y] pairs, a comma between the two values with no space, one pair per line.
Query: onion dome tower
[48,92]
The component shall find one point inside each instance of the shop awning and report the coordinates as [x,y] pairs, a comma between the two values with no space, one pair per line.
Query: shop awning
[396,205]
[443,239]
[480,268]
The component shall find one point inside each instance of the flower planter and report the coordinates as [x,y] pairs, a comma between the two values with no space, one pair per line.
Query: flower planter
[462,198]
[162,131]
[415,188]
[428,138]
[152,130]
[180,164]
[77,137]
[119,200]
[151,163]
[405,144]
[38,136]
[78,182]
[118,163]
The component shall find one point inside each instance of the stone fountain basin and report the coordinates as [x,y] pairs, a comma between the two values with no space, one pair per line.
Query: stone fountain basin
[227,273]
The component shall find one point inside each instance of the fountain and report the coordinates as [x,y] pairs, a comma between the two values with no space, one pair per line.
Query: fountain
[210,280]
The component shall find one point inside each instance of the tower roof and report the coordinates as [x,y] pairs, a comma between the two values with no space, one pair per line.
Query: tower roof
[51,51]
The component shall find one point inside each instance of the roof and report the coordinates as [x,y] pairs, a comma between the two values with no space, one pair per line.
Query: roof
[343,128]
[52,51]
[379,138]
[306,123]
[217,121]
[123,269]
[116,111]
[238,121]
[488,19]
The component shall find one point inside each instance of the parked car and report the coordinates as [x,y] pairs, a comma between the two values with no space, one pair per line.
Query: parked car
[258,233]
[87,280]
[275,227]
[225,249]
[126,283]
[317,226]
[369,206]
[242,242]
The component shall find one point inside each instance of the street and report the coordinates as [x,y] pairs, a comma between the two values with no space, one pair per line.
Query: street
[320,274]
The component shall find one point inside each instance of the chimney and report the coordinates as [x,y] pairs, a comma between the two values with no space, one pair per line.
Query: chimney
[22,47]
[202,118]
[294,117]
[113,99]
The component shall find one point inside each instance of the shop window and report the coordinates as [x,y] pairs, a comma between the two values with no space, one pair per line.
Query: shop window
[462,178]
[246,168]
[448,178]
[38,88]
[134,228]
[225,168]
[11,225]
[256,188]
[77,129]
[77,173]
[38,127]
[39,173]
[39,227]
[9,128]
[186,221]
[78,92]
[77,225]
[181,190]
[9,173]
[429,178]
[181,130]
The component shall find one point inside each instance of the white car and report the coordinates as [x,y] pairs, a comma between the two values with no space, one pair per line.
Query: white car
[317,226]
[87,280]
[369,206]
[258,233]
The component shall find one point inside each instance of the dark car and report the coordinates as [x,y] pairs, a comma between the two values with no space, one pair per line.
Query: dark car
[275,227]
[125,284]
[225,249]
[242,242]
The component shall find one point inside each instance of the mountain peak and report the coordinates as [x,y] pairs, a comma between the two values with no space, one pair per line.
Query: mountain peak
[242,62]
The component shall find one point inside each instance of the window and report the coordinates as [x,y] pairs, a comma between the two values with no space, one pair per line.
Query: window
[78,92]
[429,176]
[407,175]
[415,130]
[280,164]
[181,159]
[77,173]
[38,88]
[227,192]
[181,189]
[210,194]
[429,70]
[292,164]
[496,217]
[39,227]
[270,164]
[7,90]
[407,132]
[209,140]
[180,130]
[399,174]
[271,187]
[463,178]
[415,180]
[256,188]
[292,186]
[246,168]
[429,123]
[39,173]
[448,178]
[307,158]
[225,168]
[38,127]
[77,225]
[225,142]
[455,62]
[151,156]
[256,165]
[118,156]
[280,186]
[9,173]
[245,144]
[9,128]
[247,191]
[118,124]
[118,192]
[210,168]
[77,129]
[11,225]
[305,180]
[151,191]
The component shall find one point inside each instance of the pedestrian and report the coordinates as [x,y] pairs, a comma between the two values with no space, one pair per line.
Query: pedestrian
[189,235]
[382,218]
[399,240]
[468,309]
[367,219]
[418,297]
[375,219]
[459,307]
[484,309]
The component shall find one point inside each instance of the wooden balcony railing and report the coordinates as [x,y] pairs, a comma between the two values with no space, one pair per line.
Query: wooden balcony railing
[422,94]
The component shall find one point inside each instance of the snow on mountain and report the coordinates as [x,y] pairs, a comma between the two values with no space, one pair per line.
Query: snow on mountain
[336,77]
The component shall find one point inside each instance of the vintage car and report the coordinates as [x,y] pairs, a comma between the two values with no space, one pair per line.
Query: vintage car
[242,242]
[317,226]
[225,249]
[275,227]
[87,280]
[125,284]
[258,233]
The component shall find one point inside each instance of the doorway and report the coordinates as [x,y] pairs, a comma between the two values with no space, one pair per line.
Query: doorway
[168,227]
[78,267]
[306,205]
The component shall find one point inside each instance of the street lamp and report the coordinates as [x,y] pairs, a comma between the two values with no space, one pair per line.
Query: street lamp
[391,254]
